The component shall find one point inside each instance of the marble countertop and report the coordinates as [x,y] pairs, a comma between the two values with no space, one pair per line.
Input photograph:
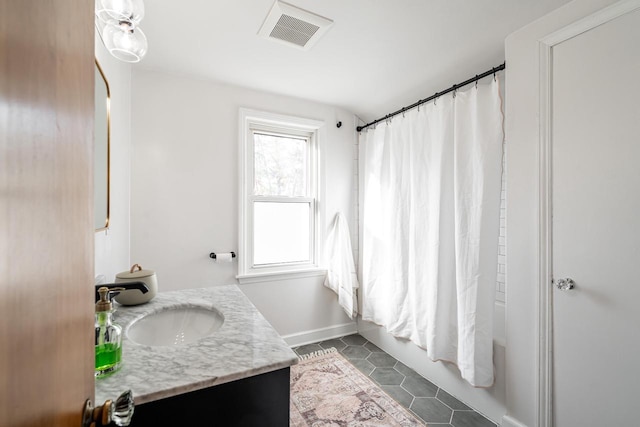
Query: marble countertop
[244,346]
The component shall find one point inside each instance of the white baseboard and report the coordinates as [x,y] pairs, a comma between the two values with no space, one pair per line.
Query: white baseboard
[322,334]
[508,421]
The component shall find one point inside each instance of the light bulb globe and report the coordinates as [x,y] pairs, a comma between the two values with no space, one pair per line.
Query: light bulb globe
[120,10]
[125,42]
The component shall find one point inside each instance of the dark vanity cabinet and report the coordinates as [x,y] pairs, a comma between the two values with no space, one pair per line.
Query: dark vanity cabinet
[257,401]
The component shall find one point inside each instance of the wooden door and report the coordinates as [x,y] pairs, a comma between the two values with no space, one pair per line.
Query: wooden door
[596,224]
[46,211]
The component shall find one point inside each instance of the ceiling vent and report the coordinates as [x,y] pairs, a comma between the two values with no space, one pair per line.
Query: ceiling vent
[293,26]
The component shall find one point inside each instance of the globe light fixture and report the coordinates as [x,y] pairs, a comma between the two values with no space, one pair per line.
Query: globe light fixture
[120,10]
[117,23]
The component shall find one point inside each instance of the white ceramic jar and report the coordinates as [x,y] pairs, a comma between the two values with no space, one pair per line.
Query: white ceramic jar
[134,296]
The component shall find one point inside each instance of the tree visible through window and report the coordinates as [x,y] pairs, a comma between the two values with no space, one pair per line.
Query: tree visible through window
[280,164]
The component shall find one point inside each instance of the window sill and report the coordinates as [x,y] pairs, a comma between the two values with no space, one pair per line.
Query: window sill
[280,275]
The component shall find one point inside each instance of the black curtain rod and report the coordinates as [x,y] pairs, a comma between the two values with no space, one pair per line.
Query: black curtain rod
[437,94]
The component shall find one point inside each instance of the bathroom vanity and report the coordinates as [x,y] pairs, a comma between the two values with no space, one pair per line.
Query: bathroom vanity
[238,375]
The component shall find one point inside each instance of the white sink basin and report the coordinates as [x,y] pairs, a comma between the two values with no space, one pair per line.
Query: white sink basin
[175,326]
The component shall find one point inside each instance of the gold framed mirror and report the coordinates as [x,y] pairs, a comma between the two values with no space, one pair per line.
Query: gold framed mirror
[102,150]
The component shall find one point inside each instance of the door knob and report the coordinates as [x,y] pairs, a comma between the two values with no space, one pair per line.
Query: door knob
[565,284]
[119,412]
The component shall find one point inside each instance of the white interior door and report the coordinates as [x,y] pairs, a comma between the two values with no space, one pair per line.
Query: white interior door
[595,142]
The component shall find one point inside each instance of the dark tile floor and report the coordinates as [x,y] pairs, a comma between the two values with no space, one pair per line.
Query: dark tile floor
[426,400]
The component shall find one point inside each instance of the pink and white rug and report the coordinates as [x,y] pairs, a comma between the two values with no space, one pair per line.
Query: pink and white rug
[328,391]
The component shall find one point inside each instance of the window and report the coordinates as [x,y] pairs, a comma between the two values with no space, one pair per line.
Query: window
[279,212]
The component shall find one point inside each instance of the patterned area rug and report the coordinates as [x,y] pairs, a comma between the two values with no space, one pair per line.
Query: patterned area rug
[328,391]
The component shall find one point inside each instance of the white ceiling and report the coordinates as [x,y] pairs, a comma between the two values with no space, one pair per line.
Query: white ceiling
[379,55]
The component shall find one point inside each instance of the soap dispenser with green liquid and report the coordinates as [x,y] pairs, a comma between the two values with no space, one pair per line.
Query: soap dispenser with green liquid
[108,335]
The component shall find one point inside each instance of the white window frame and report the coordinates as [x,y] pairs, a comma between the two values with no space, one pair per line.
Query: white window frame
[261,121]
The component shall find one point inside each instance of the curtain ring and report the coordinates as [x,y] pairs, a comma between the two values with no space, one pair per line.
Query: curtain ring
[476,81]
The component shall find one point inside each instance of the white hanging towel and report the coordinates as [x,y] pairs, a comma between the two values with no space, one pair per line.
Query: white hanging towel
[341,271]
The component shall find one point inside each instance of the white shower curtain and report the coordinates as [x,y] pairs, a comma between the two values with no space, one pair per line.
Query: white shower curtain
[432,181]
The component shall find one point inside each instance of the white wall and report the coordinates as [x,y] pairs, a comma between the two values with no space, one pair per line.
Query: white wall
[184,193]
[112,246]
[501,287]
[522,131]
